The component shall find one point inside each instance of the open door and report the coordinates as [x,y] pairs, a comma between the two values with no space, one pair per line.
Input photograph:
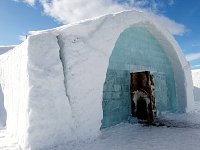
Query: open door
[142,96]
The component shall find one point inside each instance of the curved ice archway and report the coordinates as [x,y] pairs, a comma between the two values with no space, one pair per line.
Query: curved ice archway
[136,50]
[180,65]
[178,61]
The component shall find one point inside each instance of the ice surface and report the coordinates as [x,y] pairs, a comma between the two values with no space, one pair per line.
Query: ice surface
[53,82]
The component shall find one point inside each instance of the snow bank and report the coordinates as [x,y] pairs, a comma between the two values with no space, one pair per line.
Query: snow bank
[53,82]
[196,82]
[15,87]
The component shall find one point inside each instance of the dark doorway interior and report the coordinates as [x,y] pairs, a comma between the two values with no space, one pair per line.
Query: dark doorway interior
[142,96]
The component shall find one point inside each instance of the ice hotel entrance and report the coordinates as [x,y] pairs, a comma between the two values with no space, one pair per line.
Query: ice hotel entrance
[138,66]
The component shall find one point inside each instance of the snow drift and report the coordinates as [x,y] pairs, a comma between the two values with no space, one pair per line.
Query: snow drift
[53,82]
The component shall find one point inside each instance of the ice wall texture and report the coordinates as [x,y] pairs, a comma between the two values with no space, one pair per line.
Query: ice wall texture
[136,50]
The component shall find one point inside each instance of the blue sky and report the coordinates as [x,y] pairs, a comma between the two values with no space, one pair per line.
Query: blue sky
[187,12]
[17,18]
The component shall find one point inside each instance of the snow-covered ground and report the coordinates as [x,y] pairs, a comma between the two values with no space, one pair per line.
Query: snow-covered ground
[180,132]
[7,142]
[138,137]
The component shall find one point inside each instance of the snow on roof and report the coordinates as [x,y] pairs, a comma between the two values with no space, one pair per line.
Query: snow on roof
[126,18]
[85,21]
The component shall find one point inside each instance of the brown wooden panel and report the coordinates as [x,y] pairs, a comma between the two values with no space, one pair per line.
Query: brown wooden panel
[142,84]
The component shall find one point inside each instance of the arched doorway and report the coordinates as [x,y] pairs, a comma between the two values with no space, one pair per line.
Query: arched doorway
[136,50]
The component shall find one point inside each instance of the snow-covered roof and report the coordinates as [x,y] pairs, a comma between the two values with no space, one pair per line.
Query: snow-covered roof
[120,21]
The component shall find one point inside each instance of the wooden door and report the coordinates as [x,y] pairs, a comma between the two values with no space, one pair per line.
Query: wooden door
[142,96]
